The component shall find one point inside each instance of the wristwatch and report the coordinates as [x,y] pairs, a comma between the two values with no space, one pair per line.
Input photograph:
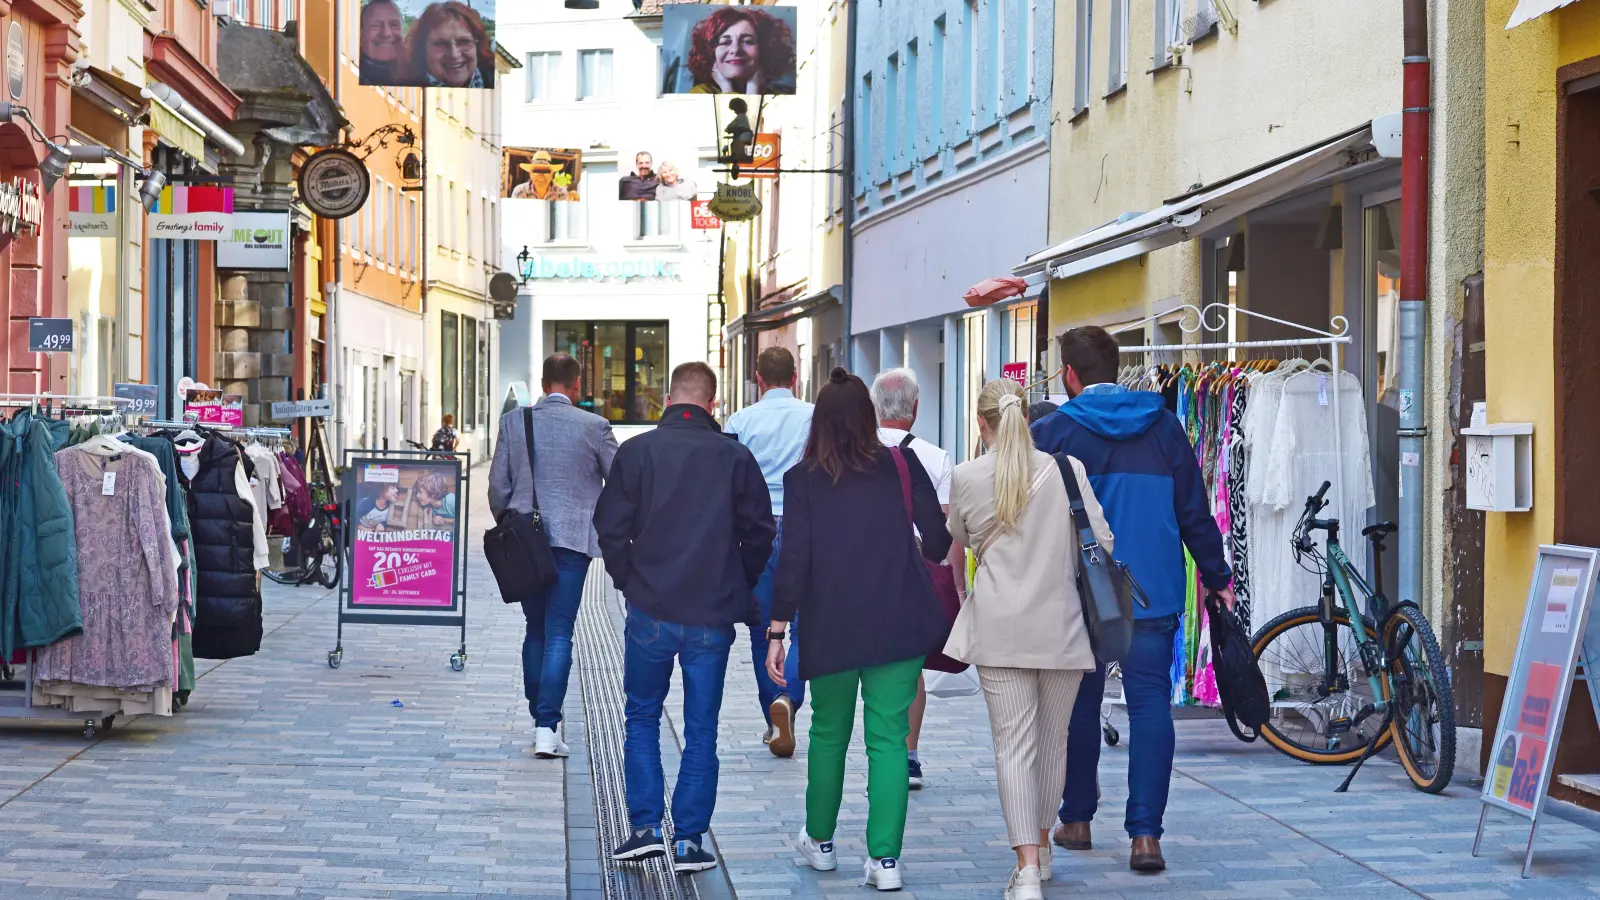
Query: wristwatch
[776,635]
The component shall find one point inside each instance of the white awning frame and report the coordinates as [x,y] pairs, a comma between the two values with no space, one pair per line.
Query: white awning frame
[1182,218]
[1528,10]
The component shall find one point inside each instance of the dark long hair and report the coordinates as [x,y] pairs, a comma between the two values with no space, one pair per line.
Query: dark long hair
[844,428]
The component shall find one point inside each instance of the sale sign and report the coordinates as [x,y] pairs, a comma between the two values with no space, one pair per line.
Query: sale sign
[406,529]
[1016,371]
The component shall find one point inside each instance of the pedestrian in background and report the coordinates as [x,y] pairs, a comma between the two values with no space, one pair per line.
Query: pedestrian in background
[686,528]
[894,400]
[1144,471]
[775,429]
[574,449]
[446,437]
[850,568]
[1022,625]
[1039,410]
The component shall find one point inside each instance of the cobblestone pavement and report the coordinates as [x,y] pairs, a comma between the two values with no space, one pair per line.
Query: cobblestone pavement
[287,778]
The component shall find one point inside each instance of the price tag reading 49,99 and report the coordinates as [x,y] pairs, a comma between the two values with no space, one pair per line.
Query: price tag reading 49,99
[49,335]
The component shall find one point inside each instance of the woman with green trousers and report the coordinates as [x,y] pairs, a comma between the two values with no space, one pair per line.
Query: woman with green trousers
[852,568]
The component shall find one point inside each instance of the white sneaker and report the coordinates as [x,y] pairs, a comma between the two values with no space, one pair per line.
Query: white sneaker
[1024,884]
[547,744]
[1044,862]
[883,874]
[819,854]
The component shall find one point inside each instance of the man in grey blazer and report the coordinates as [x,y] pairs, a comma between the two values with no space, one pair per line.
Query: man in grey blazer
[573,451]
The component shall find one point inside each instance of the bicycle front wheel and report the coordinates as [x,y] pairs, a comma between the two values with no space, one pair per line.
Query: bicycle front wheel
[332,562]
[1316,719]
[1424,726]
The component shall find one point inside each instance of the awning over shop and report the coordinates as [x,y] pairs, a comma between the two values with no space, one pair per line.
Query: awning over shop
[176,130]
[1181,218]
[786,313]
[177,107]
[110,92]
[1528,10]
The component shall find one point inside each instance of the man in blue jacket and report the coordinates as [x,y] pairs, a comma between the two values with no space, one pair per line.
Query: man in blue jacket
[1148,481]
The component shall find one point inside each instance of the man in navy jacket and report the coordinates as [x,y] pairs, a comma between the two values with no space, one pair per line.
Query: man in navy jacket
[1144,472]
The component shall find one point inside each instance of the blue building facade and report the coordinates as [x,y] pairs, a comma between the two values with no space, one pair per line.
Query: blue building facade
[952,111]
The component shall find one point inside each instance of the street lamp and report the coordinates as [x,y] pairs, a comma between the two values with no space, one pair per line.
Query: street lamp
[525,263]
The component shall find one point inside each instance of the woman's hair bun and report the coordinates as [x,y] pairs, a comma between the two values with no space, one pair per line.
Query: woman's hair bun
[838,375]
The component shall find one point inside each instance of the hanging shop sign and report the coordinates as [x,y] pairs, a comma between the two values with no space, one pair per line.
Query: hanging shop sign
[763,157]
[577,267]
[257,239]
[407,514]
[93,211]
[214,407]
[21,207]
[49,335]
[1557,635]
[284,410]
[701,218]
[16,61]
[334,184]
[736,202]
[1016,371]
[143,397]
[503,295]
[194,212]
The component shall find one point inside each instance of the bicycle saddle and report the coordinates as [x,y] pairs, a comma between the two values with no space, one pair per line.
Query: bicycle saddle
[1382,529]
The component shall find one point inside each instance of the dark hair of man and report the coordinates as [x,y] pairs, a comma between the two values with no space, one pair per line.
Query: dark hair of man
[844,428]
[562,369]
[775,365]
[1092,352]
[693,382]
[1039,410]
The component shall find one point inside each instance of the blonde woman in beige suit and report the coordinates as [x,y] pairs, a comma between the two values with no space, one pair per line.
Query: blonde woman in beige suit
[1022,624]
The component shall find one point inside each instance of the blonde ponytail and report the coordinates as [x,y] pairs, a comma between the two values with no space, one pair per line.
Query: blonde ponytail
[1004,408]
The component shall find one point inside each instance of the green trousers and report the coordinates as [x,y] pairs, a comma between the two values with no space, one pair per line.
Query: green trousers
[886,692]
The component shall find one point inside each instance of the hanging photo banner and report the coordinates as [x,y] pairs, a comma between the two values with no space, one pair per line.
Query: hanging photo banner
[653,179]
[406,520]
[713,49]
[93,211]
[541,173]
[334,184]
[192,213]
[257,239]
[428,43]
[701,218]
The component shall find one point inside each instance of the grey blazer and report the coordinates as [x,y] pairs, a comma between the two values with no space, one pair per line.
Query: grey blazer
[574,450]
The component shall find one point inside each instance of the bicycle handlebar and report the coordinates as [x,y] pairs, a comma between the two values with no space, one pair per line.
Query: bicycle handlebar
[1315,503]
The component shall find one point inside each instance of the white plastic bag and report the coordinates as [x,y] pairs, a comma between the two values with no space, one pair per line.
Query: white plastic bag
[962,684]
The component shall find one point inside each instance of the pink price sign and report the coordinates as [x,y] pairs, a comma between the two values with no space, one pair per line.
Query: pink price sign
[1016,371]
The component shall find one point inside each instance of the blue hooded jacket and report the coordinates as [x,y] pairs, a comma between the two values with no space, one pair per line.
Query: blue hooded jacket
[1147,479]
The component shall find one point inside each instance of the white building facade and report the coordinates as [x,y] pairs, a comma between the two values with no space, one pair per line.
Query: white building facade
[623,285]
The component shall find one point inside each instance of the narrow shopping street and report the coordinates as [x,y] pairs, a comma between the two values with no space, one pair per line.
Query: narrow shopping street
[394,776]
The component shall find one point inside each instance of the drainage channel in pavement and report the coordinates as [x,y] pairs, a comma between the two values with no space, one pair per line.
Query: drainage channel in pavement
[599,652]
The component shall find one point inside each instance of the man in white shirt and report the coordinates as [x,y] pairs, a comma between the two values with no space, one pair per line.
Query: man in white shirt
[775,429]
[894,396]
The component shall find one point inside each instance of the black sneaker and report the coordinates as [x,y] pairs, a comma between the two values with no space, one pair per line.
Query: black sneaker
[688,857]
[914,769]
[646,843]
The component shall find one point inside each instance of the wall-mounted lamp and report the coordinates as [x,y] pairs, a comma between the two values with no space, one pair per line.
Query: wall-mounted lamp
[59,158]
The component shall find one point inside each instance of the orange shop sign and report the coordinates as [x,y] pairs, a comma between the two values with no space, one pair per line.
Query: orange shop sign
[764,153]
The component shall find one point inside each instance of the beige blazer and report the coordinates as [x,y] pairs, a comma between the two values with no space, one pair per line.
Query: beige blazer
[1023,611]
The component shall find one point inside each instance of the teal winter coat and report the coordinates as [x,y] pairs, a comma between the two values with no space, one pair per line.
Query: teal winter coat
[39,553]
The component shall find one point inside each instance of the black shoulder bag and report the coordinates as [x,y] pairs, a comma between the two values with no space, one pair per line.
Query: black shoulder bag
[518,547]
[1105,586]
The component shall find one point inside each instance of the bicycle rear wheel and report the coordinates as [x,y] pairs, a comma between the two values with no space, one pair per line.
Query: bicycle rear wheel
[330,566]
[281,571]
[1424,725]
[1313,720]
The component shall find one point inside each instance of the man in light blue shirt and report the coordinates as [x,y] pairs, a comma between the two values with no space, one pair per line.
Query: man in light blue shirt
[775,429]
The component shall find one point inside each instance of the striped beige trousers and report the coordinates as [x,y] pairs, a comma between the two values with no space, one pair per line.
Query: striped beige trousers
[1029,710]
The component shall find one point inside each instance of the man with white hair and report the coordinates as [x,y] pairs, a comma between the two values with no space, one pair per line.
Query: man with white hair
[894,397]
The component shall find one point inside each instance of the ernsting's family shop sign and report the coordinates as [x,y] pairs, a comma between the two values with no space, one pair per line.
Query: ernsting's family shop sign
[193,213]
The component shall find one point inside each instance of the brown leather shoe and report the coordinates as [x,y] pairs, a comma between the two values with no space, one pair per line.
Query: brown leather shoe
[1072,836]
[1146,855]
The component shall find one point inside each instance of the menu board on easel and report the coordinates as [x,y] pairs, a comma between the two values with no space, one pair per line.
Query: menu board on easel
[1555,623]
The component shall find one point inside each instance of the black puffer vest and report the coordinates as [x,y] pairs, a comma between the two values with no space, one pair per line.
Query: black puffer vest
[227,616]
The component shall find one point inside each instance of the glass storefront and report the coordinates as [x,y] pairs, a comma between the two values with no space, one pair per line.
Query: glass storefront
[974,359]
[624,366]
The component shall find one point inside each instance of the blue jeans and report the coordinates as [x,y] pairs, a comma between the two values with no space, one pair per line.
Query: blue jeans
[547,645]
[767,690]
[652,645]
[1147,685]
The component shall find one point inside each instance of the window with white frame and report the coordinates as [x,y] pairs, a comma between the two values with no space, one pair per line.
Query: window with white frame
[1117,70]
[1083,40]
[656,220]
[594,74]
[564,221]
[1168,31]
[543,71]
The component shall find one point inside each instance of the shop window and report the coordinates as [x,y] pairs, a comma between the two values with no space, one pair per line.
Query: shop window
[655,220]
[483,375]
[1383,298]
[974,363]
[469,372]
[450,365]
[1021,337]
[624,366]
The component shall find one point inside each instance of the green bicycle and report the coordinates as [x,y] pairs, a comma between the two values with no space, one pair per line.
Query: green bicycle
[1339,693]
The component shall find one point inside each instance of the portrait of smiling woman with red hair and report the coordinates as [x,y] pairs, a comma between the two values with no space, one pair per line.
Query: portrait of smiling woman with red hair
[731,49]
